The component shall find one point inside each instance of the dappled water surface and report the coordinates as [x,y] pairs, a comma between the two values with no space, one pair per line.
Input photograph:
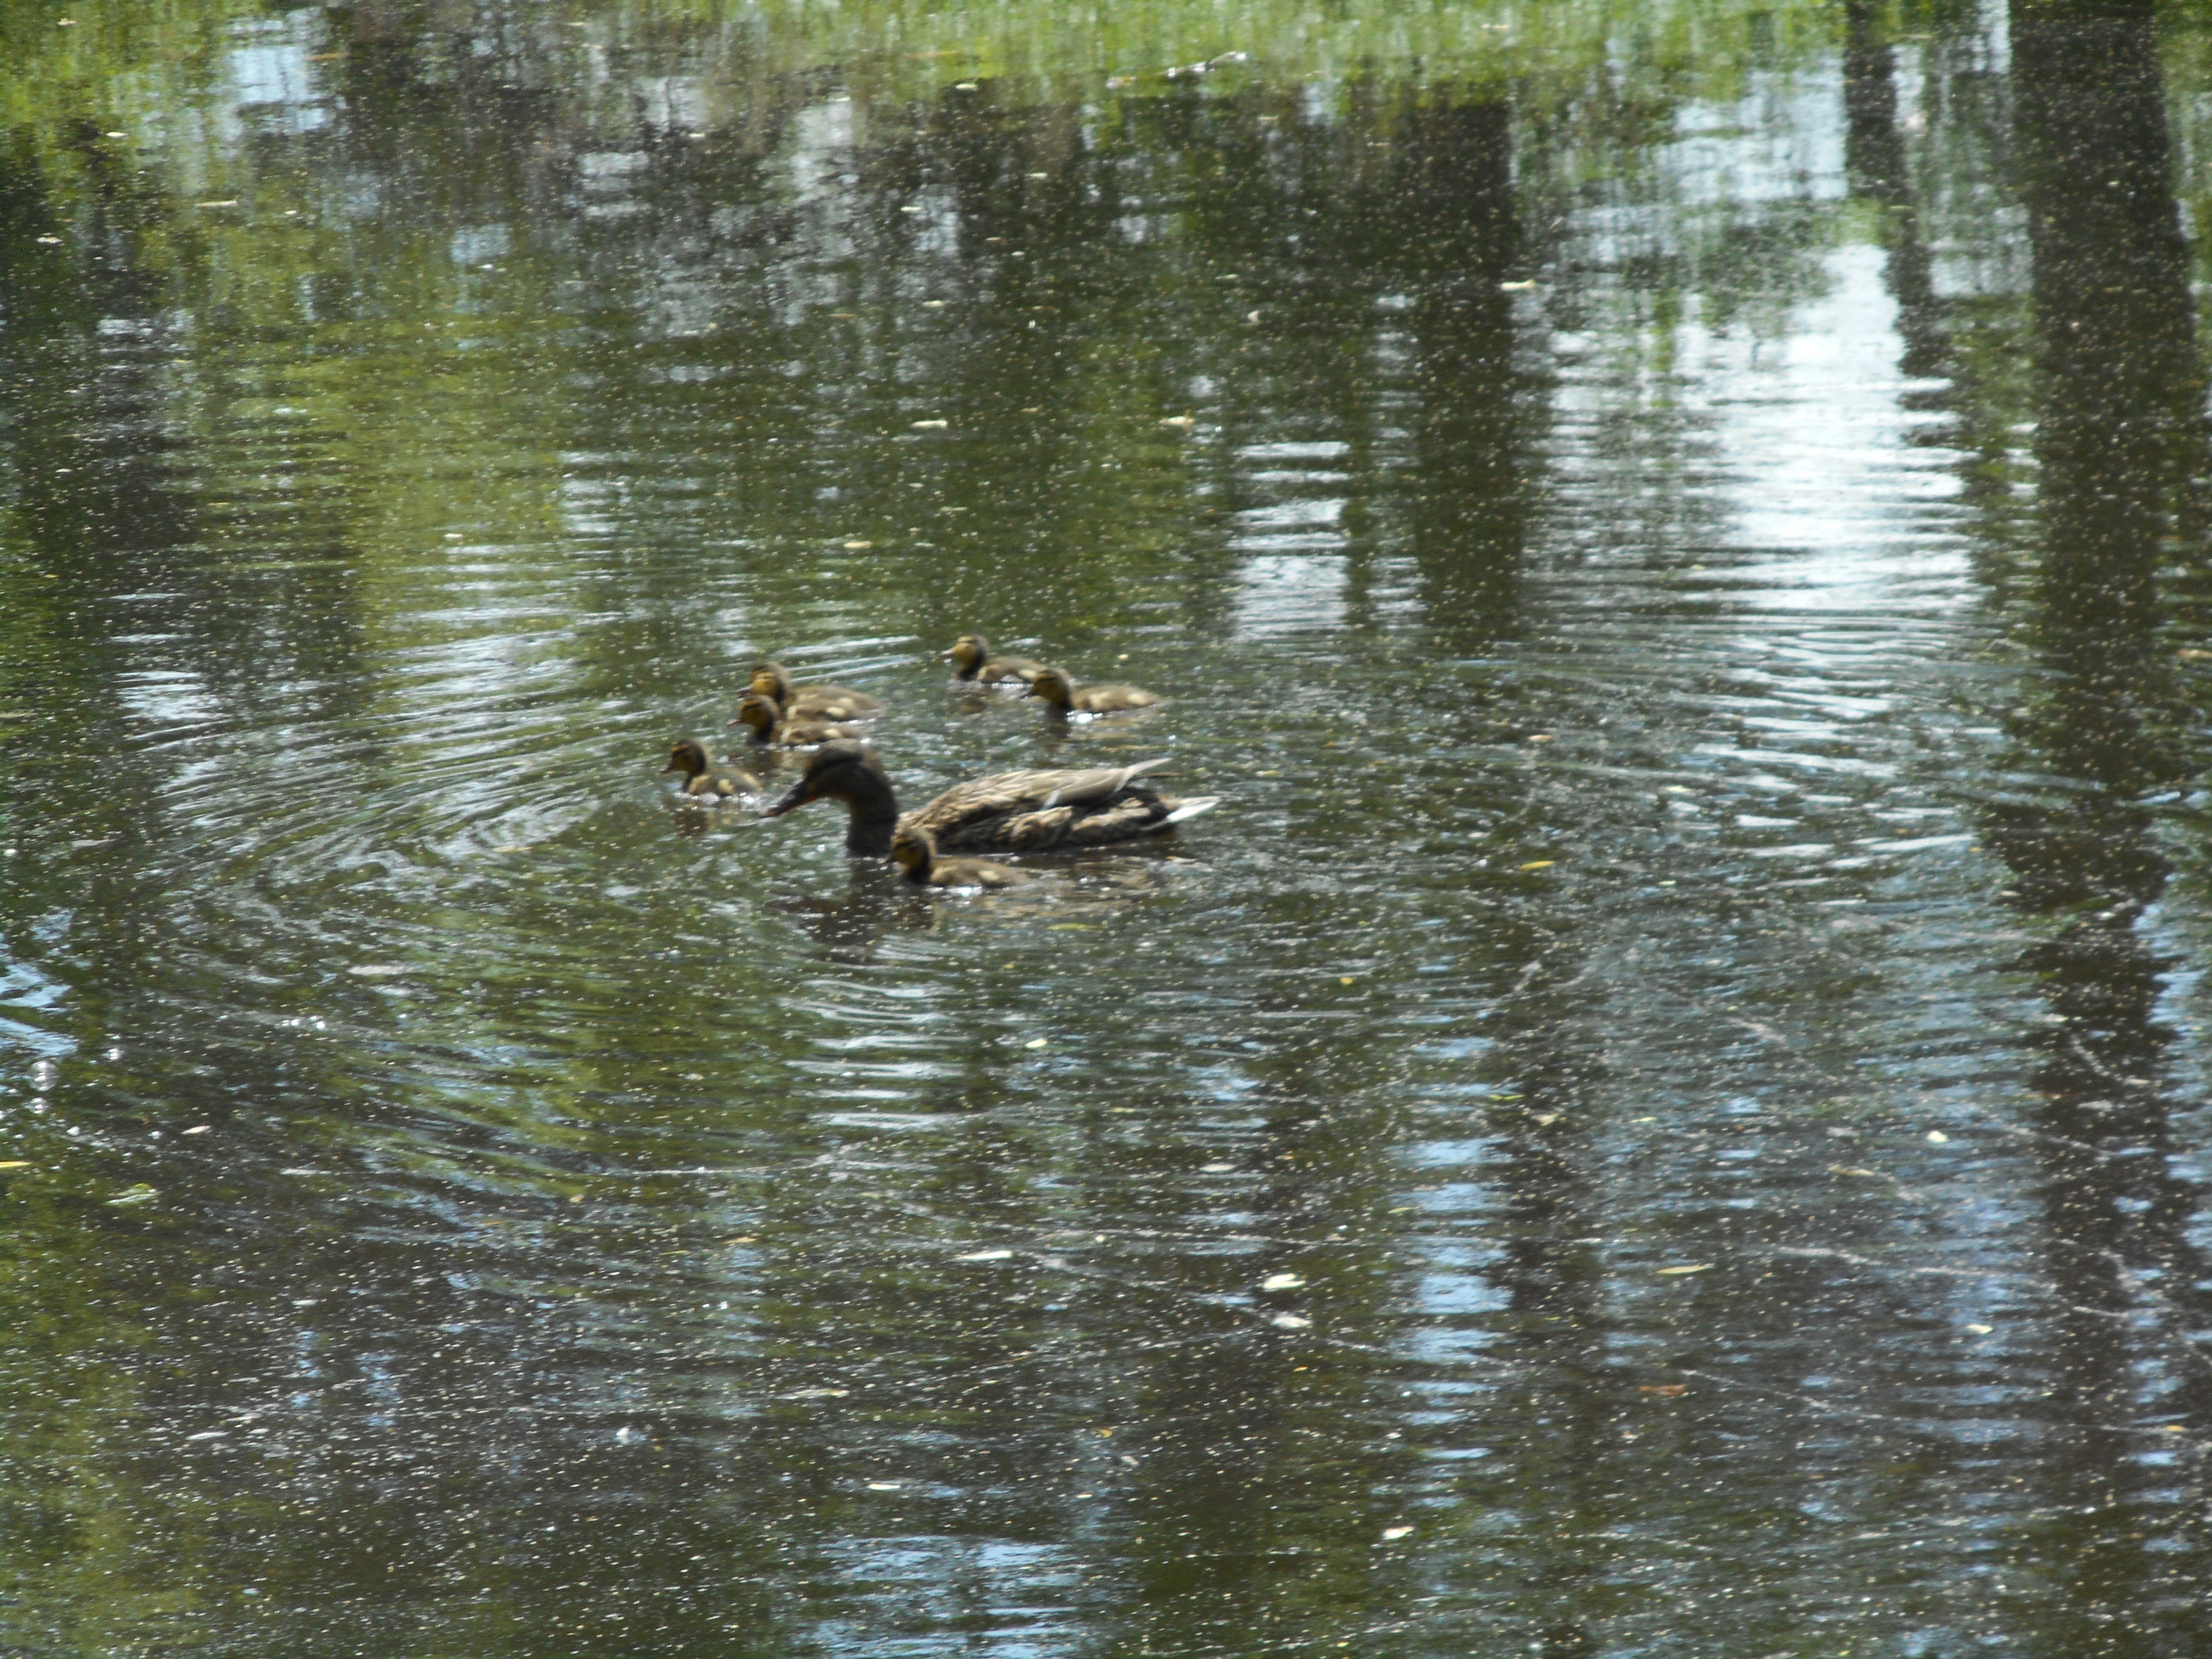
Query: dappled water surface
[1663,1114]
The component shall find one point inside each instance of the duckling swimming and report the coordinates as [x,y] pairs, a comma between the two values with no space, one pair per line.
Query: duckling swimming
[1007,812]
[915,851]
[1062,698]
[818,701]
[974,664]
[702,779]
[758,713]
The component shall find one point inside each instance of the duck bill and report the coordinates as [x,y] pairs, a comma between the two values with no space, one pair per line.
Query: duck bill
[799,795]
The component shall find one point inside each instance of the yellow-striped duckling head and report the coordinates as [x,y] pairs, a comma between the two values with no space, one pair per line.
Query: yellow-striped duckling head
[966,654]
[1054,687]
[758,712]
[913,850]
[690,758]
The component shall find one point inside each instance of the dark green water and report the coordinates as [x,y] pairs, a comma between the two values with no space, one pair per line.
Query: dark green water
[1680,532]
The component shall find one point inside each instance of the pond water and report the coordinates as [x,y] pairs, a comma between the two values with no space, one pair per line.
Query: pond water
[1663,1115]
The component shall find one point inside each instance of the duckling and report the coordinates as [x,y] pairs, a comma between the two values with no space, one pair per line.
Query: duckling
[758,713]
[702,779]
[1007,812]
[1062,698]
[974,664]
[915,851]
[812,703]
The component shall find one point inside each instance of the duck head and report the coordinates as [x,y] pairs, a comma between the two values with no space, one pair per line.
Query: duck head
[688,757]
[852,773]
[757,712]
[966,654]
[770,681]
[915,850]
[1053,687]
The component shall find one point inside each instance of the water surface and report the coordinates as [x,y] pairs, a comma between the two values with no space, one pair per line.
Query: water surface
[1678,532]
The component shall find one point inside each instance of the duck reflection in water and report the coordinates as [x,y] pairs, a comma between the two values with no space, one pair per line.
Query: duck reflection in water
[1070,890]
[848,928]
[1074,894]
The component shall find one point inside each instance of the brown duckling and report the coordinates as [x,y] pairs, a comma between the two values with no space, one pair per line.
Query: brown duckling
[1062,696]
[914,849]
[702,779]
[1007,812]
[812,703]
[974,664]
[758,713]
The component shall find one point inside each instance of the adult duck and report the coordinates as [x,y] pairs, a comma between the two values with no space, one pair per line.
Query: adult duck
[768,729]
[1006,812]
[914,849]
[818,701]
[702,779]
[974,664]
[1063,697]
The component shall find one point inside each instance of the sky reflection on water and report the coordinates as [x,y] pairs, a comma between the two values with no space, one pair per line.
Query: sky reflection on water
[1662,1117]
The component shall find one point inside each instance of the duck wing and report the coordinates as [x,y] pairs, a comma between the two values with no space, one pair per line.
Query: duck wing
[1010,668]
[831,702]
[1113,699]
[715,786]
[806,733]
[976,873]
[1019,812]
[1093,785]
